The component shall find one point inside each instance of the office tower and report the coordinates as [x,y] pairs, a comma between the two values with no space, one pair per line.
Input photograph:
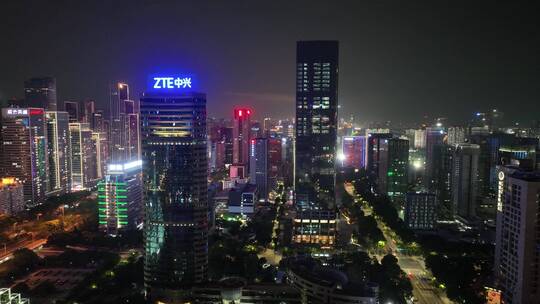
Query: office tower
[484,163]
[420,139]
[274,162]
[124,137]
[241,136]
[354,152]
[72,107]
[97,122]
[375,140]
[316,122]
[58,151]
[101,148]
[434,136]
[83,157]
[24,145]
[316,139]
[89,110]
[259,165]
[120,197]
[465,180]
[175,178]
[40,93]
[517,250]
[443,159]
[229,146]
[11,196]
[456,135]
[394,168]
[421,210]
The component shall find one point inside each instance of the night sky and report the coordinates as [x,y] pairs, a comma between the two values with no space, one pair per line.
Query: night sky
[398,60]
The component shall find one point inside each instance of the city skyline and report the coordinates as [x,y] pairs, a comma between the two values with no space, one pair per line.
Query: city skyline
[389,69]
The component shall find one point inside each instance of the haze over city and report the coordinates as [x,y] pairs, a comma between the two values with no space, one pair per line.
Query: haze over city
[399,60]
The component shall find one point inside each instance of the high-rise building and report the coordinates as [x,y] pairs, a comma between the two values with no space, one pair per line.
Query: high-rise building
[72,107]
[517,250]
[118,134]
[11,196]
[259,165]
[58,151]
[120,197]
[434,136]
[24,145]
[456,135]
[354,152]
[375,141]
[465,180]
[420,139]
[101,148]
[317,65]
[173,128]
[40,93]
[89,110]
[421,211]
[394,168]
[241,136]
[83,157]
[443,159]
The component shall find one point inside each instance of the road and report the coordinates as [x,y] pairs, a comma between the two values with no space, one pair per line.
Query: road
[423,290]
[7,252]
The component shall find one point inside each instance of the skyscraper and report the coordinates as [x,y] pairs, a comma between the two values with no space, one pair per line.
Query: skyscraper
[465,180]
[72,107]
[375,141]
[354,152]
[124,134]
[434,136]
[120,197]
[394,168]
[517,250]
[58,151]
[317,67]
[83,157]
[241,136]
[24,145]
[40,93]
[173,128]
[259,158]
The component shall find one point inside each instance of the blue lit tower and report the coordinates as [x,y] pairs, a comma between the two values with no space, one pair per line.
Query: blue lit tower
[173,129]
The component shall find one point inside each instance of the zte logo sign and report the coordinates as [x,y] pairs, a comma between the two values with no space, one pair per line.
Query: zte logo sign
[172,82]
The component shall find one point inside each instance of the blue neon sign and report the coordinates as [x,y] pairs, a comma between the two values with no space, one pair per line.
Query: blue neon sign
[171,83]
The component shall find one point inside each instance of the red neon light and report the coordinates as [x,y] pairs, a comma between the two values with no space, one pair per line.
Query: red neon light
[253,141]
[249,112]
[240,113]
[36,111]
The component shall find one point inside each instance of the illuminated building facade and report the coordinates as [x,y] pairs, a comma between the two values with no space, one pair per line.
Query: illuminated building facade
[124,134]
[354,152]
[58,151]
[375,142]
[24,144]
[173,128]
[421,211]
[316,122]
[517,250]
[120,197]
[241,136]
[40,93]
[11,196]
[259,166]
[83,157]
[394,168]
[317,64]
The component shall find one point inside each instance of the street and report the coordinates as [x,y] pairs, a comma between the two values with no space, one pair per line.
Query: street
[423,290]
